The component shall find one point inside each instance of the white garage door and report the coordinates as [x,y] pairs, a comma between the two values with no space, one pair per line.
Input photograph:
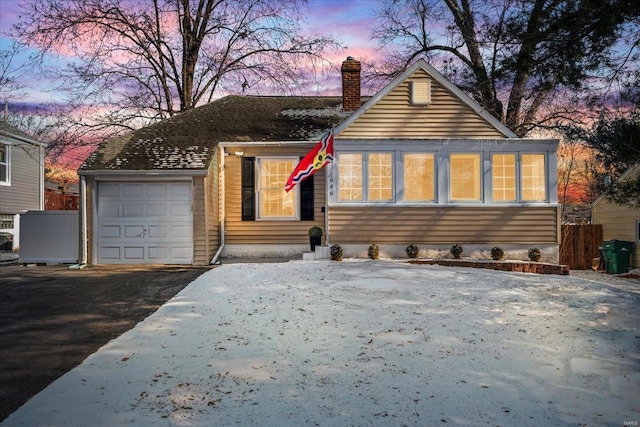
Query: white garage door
[144,222]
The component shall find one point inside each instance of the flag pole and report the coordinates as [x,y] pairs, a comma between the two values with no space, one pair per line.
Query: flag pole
[328,180]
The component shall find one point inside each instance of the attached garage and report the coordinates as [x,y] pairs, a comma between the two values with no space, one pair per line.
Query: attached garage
[144,222]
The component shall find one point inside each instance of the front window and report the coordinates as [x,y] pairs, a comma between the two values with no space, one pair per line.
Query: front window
[533,177]
[380,180]
[503,167]
[4,164]
[351,180]
[419,181]
[464,177]
[273,201]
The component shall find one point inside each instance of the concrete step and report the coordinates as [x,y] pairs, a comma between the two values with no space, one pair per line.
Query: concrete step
[321,252]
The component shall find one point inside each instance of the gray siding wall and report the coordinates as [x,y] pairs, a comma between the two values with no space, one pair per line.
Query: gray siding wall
[24,193]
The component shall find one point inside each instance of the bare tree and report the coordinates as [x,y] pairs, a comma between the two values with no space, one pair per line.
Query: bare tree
[11,71]
[513,56]
[155,58]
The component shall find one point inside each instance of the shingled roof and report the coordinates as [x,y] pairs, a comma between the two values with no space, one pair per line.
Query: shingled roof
[188,140]
[12,132]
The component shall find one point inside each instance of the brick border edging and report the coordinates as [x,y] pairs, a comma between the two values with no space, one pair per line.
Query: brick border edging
[519,267]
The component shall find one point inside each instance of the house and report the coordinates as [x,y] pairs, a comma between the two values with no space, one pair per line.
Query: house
[418,162]
[619,222]
[21,180]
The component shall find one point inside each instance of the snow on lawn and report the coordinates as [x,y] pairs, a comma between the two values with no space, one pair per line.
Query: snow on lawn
[363,343]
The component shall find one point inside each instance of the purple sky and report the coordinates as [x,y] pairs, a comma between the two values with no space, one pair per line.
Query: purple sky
[350,21]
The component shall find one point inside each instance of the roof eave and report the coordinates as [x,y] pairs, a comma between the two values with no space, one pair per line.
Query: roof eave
[143,173]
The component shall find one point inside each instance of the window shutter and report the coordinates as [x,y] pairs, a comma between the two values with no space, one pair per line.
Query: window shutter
[248,189]
[306,199]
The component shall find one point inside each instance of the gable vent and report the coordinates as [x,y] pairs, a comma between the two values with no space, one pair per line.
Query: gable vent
[421,92]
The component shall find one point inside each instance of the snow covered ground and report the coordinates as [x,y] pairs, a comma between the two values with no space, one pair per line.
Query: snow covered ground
[363,342]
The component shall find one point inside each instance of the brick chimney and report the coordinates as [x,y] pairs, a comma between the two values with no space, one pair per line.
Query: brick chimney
[350,84]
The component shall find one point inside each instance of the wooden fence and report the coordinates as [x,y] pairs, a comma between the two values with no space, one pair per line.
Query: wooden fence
[60,201]
[579,245]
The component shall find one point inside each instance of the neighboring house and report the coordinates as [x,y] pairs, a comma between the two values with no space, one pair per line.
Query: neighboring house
[21,178]
[619,222]
[418,162]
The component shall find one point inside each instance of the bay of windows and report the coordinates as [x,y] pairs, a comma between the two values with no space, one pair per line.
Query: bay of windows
[413,177]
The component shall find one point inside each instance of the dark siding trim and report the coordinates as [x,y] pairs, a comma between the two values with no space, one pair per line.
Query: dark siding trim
[306,199]
[248,189]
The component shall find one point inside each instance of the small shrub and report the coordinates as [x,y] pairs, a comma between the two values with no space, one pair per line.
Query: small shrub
[497,253]
[336,252]
[412,251]
[373,251]
[456,251]
[315,231]
[534,254]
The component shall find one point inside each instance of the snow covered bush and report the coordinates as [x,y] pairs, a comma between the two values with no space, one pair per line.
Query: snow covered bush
[412,251]
[373,251]
[336,252]
[497,253]
[534,254]
[456,251]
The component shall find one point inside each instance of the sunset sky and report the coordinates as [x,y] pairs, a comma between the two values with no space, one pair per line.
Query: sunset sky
[349,21]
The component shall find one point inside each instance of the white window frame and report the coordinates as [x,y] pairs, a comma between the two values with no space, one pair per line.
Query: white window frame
[258,191]
[516,178]
[546,177]
[365,178]
[7,165]
[402,178]
[481,198]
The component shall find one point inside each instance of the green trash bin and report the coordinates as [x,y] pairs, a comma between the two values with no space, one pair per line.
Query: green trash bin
[616,255]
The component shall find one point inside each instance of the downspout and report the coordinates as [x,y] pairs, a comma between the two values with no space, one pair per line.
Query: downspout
[83,220]
[222,207]
[41,173]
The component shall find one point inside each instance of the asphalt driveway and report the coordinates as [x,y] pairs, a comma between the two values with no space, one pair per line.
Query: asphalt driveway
[52,318]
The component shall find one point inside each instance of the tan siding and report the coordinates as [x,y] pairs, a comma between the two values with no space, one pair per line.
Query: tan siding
[618,223]
[446,117]
[444,225]
[212,199]
[199,222]
[266,232]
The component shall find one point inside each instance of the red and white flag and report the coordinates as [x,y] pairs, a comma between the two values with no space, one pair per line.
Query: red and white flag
[315,160]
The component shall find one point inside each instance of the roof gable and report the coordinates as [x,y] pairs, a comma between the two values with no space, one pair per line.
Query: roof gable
[451,114]
[630,173]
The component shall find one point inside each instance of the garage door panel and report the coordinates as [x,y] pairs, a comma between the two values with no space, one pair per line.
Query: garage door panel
[133,231]
[158,231]
[182,211]
[109,189]
[133,252]
[110,253]
[181,233]
[110,231]
[133,190]
[108,209]
[133,211]
[158,211]
[157,190]
[181,193]
[145,222]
